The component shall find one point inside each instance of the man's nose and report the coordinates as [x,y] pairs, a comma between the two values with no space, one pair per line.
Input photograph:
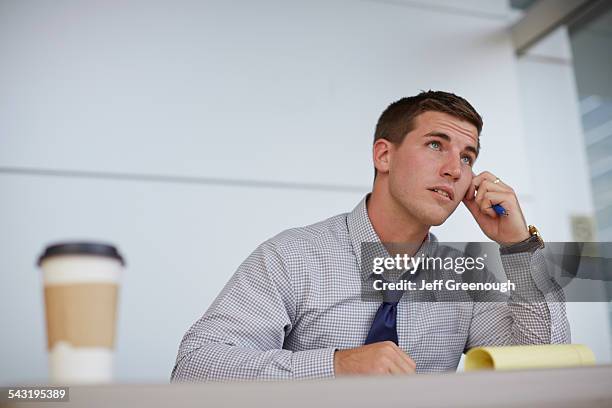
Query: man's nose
[452,167]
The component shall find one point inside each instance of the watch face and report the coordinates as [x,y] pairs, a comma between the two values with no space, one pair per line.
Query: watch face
[537,238]
[535,235]
[537,241]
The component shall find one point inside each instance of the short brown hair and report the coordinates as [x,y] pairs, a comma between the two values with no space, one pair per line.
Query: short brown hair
[398,119]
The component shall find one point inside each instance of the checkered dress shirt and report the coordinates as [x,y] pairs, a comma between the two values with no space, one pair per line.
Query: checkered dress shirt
[298,297]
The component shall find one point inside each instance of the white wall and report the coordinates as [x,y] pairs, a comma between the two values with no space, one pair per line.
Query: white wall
[194,88]
[268,106]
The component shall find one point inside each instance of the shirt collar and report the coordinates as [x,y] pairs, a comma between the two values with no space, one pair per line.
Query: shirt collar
[366,243]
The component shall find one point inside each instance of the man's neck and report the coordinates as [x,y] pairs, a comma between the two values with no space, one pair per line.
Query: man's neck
[394,226]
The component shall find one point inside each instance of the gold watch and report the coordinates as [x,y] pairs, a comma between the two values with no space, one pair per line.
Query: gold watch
[533,231]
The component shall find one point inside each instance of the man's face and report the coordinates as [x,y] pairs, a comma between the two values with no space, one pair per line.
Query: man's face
[431,170]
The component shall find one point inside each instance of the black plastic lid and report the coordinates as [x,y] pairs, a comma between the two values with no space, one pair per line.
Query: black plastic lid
[81,248]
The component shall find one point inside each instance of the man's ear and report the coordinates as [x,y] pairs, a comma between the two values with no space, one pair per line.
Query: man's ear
[382,155]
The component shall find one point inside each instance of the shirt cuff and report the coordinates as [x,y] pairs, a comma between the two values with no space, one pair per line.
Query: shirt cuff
[529,245]
[313,364]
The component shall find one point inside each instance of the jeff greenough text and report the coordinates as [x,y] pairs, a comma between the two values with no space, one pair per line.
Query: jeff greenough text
[441,284]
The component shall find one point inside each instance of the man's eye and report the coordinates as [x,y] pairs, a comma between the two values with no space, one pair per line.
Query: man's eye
[467,160]
[435,145]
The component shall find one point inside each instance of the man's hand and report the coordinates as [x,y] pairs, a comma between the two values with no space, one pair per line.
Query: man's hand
[377,358]
[504,230]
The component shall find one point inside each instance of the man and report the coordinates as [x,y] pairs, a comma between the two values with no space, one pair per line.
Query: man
[294,309]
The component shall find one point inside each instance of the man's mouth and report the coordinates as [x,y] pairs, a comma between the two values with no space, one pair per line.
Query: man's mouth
[444,192]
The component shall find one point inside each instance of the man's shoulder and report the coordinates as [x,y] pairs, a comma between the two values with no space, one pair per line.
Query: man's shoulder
[328,233]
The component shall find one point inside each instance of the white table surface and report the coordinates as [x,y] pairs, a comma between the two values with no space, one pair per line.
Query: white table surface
[570,387]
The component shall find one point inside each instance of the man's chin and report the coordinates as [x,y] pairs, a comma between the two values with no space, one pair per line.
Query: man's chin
[435,223]
[436,218]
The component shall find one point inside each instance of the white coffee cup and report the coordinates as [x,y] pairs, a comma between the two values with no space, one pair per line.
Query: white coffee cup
[81,283]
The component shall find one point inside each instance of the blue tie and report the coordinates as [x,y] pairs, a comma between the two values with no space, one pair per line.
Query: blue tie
[384,326]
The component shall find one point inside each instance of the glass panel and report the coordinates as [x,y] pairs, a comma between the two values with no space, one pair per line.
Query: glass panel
[591,41]
[521,4]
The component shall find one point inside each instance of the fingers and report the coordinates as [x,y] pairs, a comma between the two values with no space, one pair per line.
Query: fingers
[381,358]
[392,360]
[472,206]
[400,362]
[486,175]
[469,195]
[397,367]
[405,363]
[487,186]
[409,363]
[491,198]
[486,178]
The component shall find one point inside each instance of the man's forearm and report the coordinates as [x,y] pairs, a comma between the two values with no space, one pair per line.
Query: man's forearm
[538,306]
[219,362]
[241,336]
[534,314]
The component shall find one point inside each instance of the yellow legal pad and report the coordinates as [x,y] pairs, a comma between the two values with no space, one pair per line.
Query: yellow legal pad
[525,357]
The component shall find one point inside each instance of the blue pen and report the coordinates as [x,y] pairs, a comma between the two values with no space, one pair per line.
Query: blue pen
[499,210]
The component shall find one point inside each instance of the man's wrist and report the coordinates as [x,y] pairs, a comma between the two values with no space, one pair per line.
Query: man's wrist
[532,242]
[528,245]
